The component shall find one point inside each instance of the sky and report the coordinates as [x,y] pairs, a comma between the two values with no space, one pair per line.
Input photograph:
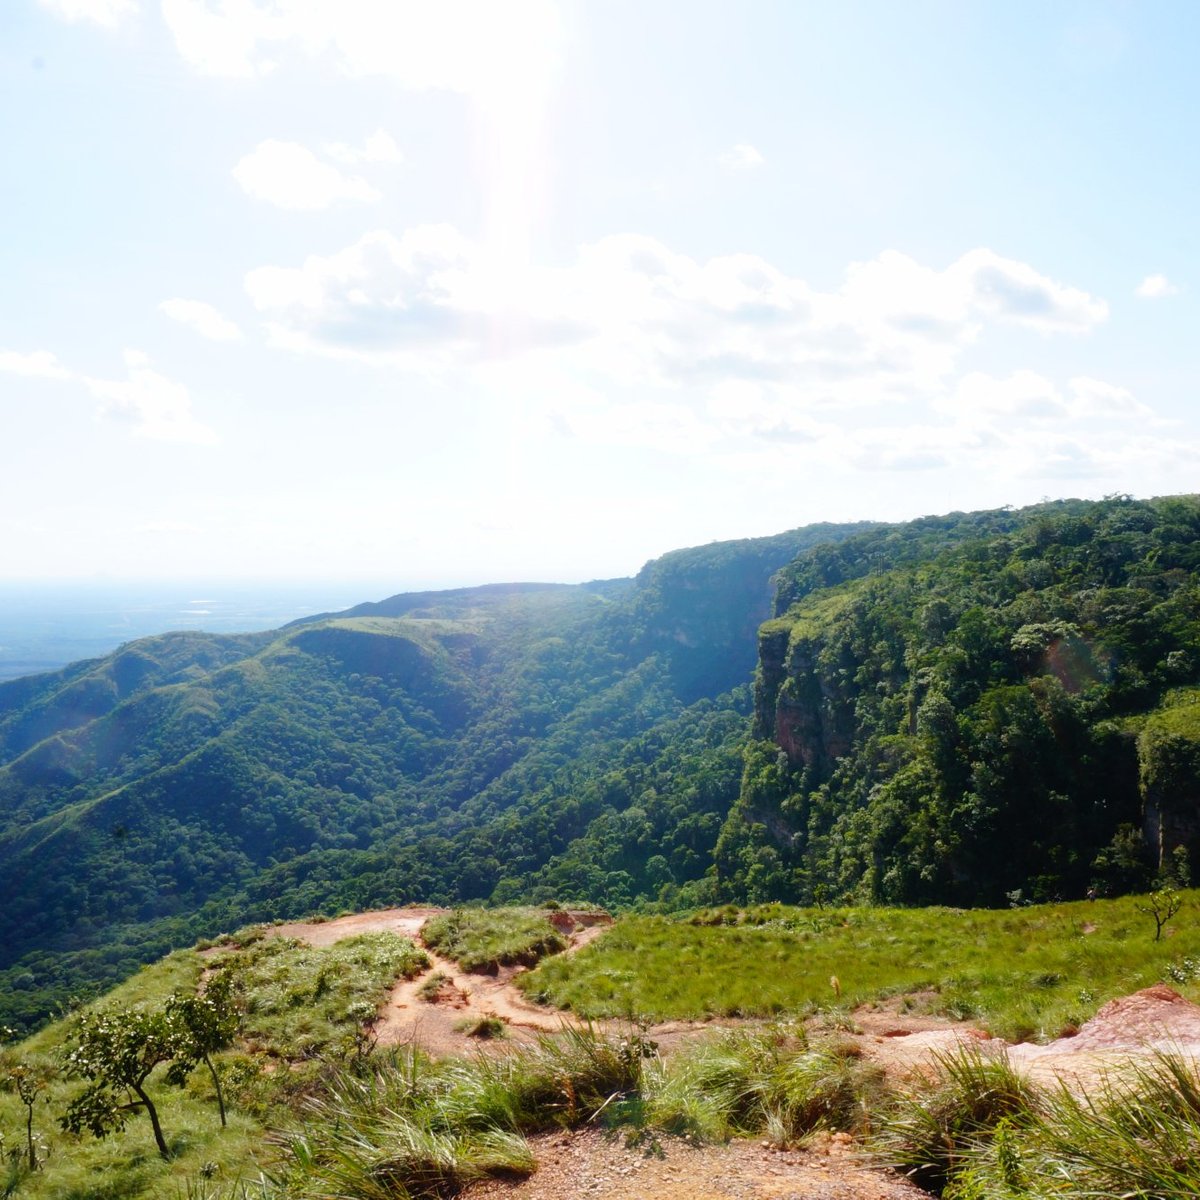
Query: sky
[426,295]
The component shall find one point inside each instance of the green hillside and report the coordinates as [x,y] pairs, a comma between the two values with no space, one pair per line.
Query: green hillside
[433,747]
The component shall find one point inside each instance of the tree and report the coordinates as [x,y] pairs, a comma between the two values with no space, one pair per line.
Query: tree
[206,1024]
[1162,905]
[28,1079]
[116,1050]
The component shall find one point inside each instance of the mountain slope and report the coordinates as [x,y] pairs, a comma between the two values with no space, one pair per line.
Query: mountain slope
[434,747]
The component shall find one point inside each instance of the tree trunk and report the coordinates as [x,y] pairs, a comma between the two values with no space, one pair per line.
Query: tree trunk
[217,1084]
[33,1162]
[159,1141]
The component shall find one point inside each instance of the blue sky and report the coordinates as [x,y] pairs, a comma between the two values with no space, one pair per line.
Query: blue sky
[425,295]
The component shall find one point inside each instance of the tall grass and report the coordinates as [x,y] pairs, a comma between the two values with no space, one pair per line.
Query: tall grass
[410,1126]
[932,1132]
[980,1131]
[768,1082]
[1026,974]
[305,1000]
[307,1006]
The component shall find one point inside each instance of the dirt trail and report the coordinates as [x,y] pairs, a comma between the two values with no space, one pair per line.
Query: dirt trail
[464,997]
[1132,1029]
[593,1166]
[405,921]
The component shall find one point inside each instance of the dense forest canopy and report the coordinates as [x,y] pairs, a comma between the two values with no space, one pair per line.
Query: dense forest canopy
[969,709]
[972,709]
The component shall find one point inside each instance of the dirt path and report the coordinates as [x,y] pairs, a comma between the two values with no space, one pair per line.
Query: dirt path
[1127,1031]
[405,921]
[595,1166]
[464,997]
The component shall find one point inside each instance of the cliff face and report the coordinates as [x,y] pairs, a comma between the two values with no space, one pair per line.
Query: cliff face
[813,724]
[948,710]
[802,699]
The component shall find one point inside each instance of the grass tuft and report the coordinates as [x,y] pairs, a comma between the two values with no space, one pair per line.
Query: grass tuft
[931,1132]
[486,939]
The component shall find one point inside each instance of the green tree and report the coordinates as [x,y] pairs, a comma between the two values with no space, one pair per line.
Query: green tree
[206,1024]
[116,1050]
[28,1080]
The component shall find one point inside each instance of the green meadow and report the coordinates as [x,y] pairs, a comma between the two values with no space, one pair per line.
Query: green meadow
[1027,973]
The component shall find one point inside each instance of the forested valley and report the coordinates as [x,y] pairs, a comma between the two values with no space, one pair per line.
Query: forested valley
[974,709]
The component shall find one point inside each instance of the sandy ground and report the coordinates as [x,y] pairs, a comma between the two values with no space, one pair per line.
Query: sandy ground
[596,1166]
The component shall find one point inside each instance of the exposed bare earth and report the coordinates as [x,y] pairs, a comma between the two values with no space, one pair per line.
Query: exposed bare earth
[405,921]
[593,1166]
[1156,1020]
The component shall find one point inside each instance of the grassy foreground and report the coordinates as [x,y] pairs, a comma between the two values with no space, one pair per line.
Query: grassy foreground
[1030,973]
[304,1010]
[316,1111]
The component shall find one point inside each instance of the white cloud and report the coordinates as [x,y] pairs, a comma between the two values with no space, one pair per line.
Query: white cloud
[202,318]
[634,344]
[1093,398]
[1154,287]
[223,40]
[472,46]
[1013,291]
[157,407]
[154,406]
[1026,396]
[753,410]
[420,300]
[380,147]
[108,13]
[742,157]
[40,364]
[911,448]
[290,176]
[633,312]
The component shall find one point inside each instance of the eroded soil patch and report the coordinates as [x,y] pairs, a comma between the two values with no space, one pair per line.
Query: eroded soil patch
[598,1166]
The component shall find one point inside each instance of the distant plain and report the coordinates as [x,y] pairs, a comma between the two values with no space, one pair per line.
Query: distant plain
[45,625]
